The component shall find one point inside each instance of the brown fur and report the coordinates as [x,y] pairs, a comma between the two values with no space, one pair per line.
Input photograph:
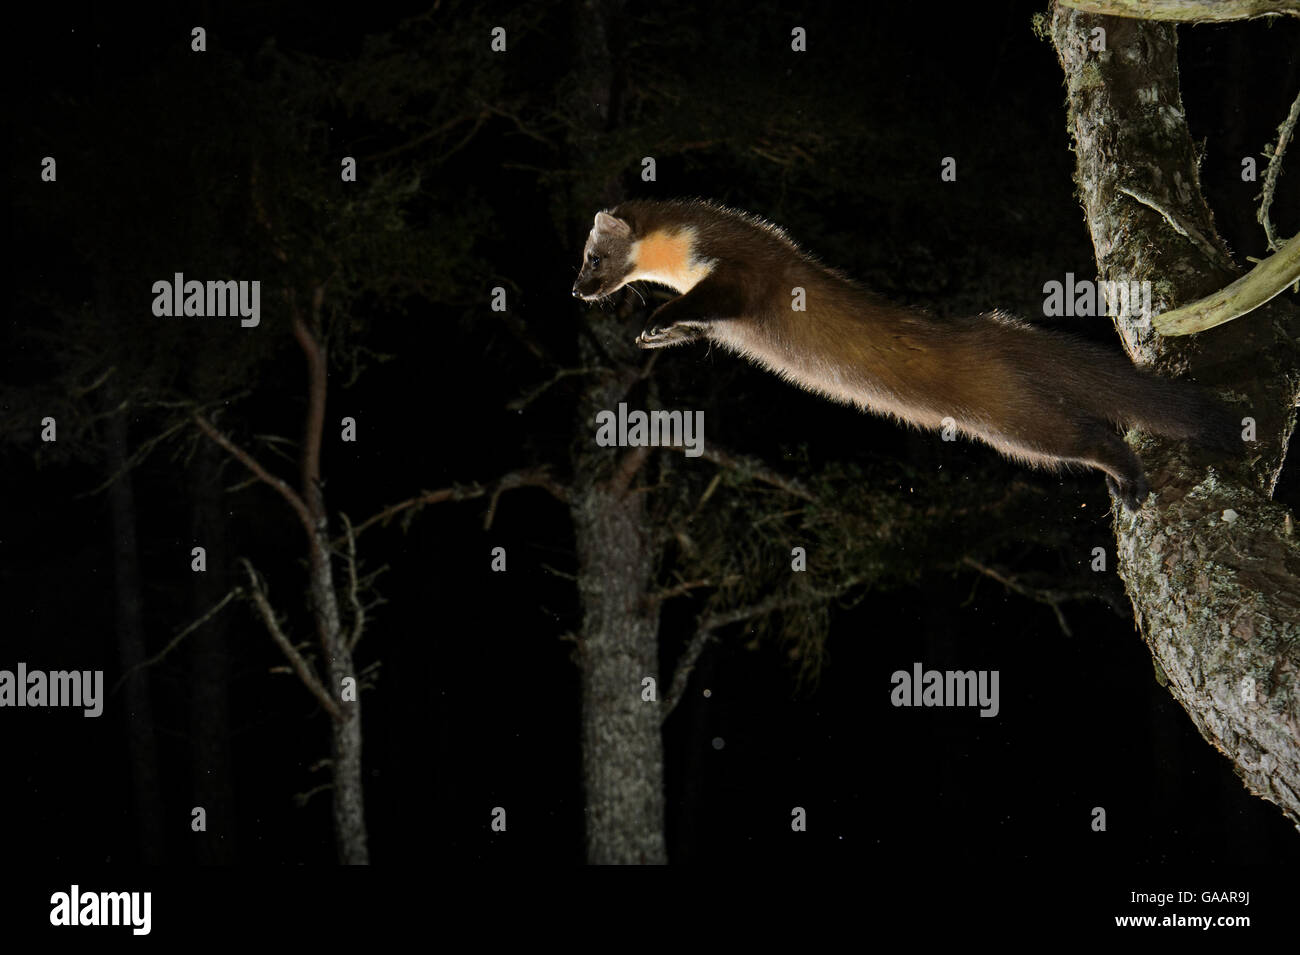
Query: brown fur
[1037,396]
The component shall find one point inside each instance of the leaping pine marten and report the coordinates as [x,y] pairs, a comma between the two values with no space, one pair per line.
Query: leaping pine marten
[1037,396]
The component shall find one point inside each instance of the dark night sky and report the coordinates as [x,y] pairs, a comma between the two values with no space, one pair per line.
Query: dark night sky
[477,702]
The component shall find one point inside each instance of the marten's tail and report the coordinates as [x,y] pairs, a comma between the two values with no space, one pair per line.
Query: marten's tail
[1105,384]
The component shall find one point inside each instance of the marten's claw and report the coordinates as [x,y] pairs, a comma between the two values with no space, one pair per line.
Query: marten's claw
[659,337]
[1130,493]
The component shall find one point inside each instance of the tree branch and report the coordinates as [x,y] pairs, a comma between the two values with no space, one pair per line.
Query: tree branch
[748,467]
[1274,170]
[712,621]
[685,587]
[627,469]
[523,401]
[1182,226]
[176,640]
[358,609]
[300,666]
[1051,598]
[535,477]
[682,671]
[251,463]
[1264,282]
[314,424]
[1187,11]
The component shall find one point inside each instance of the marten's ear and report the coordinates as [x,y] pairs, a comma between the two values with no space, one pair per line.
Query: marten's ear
[608,225]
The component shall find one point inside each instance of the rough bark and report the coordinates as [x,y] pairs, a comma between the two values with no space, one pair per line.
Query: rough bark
[1211,563]
[622,750]
[349,801]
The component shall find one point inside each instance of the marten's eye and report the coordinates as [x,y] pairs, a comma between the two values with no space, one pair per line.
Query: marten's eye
[593,260]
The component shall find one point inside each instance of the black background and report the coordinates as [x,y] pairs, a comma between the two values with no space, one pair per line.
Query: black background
[477,704]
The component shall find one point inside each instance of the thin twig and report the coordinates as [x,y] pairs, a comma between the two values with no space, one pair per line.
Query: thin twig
[684,587]
[682,671]
[1274,170]
[1183,228]
[252,464]
[535,477]
[176,640]
[753,468]
[713,621]
[301,799]
[1051,598]
[137,457]
[524,401]
[358,609]
[82,391]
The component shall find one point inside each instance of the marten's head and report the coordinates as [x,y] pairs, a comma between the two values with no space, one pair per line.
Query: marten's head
[606,259]
[631,243]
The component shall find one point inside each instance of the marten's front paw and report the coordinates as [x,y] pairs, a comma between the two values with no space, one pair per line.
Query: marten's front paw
[662,336]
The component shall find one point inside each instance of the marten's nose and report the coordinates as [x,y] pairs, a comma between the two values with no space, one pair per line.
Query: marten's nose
[576,293]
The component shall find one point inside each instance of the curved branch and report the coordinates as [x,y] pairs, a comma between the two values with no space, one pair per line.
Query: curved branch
[1261,284]
[1274,170]
[1187,11]
[534,477]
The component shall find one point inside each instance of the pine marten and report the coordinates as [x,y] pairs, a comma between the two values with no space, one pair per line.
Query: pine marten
[1037,396]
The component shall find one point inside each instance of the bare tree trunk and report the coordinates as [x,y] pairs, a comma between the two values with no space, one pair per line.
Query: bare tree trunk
[622,749]
[1213,566]
[618,555]
[339,693]
[211,767]
[142,746]
[349,800]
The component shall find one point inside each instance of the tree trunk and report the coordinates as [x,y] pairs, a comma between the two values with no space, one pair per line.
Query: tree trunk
[210,667]
[622,749]
[349,799]
[349,793]
[618,555]
[1212,565]
[142,745]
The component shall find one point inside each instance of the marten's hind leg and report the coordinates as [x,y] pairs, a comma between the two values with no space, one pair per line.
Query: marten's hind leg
[1094,444]
[1125,477]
